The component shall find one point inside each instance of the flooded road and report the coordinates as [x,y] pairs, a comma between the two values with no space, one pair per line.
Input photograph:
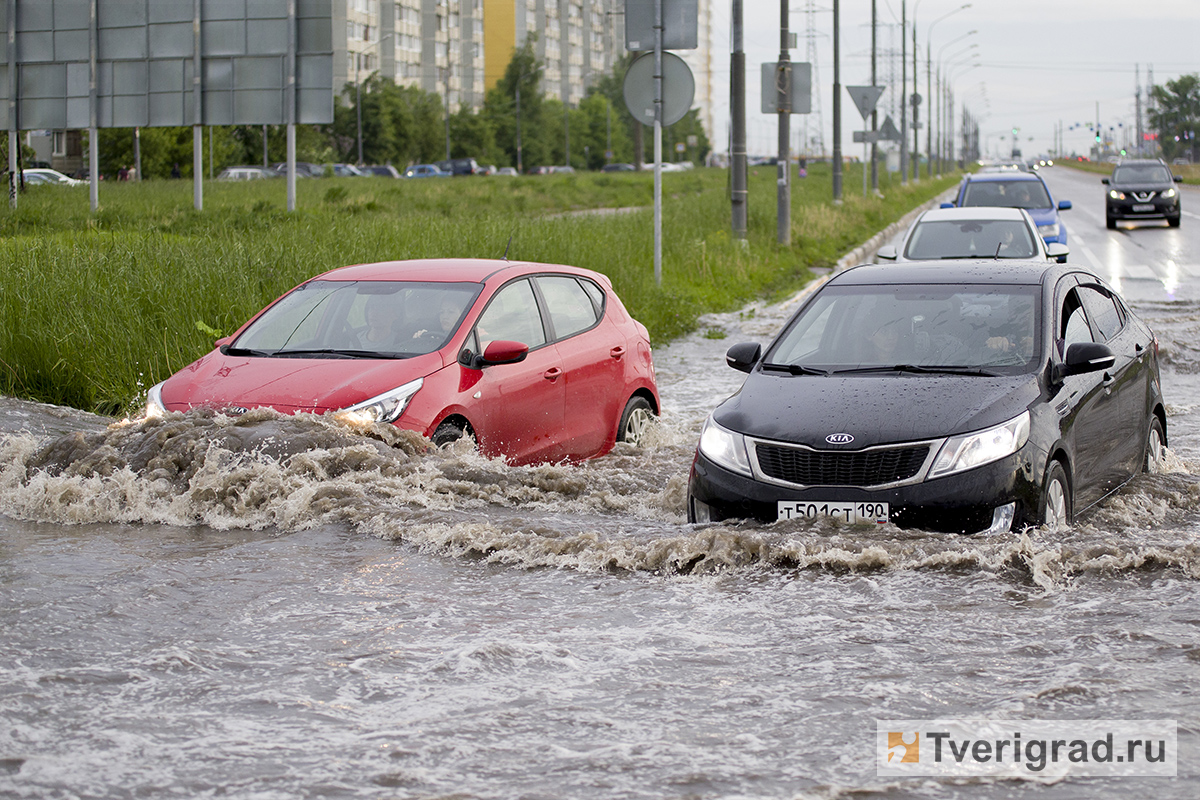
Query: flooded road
[270,607]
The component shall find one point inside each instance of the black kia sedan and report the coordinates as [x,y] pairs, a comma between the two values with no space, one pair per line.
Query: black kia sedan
[1142,189]
[961,397]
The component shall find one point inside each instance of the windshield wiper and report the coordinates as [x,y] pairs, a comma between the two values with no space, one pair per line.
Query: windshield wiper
[245,351]
[330,351]
[920,370]
[795,369]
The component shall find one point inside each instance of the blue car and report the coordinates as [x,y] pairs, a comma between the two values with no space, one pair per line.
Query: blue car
[1016,190]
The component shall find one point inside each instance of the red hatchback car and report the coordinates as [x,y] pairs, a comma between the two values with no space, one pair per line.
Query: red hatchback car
[537,362]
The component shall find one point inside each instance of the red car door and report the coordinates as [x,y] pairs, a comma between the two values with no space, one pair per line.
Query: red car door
[592,351]
[518,408]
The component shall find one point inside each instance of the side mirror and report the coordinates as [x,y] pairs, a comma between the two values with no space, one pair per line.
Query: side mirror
[1084,357]
[1177,178]
[502,352]
[744,356]
[1058,251]
[946,205]
[1104,181]
[1064,205]
[888,252]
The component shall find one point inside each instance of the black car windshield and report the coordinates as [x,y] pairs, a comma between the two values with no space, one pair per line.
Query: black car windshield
[1141,173]
[1007,194]
[359,319]
[983,328]
[971,239]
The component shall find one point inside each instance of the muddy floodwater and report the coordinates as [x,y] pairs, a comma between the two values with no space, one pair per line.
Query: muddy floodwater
[270,607]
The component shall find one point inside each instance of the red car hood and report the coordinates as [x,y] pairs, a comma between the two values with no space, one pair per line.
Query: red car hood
[289,385]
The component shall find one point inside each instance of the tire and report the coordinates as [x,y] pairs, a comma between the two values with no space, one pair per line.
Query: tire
[1111,222]
[1174,221]
[637,415]
[1056,498]
[449,432]
[1155,444]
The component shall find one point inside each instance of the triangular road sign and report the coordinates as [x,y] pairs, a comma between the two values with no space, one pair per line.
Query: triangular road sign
[865,97]
[888,131]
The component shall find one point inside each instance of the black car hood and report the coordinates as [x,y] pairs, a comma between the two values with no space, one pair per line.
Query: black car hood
[1155,186]
[874,409]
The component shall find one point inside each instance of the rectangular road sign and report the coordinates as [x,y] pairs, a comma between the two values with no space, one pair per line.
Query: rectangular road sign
[680,24]
[801,87]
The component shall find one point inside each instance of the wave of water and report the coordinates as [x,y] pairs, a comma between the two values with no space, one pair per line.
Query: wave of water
[625,511]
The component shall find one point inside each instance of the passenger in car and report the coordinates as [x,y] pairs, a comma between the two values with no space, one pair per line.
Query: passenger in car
[382,313]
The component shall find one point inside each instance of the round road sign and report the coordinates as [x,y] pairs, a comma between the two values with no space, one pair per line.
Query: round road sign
[678,89]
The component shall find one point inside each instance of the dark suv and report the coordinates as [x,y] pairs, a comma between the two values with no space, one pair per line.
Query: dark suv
[460,166]
[1142,189]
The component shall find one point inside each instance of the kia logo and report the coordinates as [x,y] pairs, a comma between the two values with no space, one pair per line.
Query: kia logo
[236,411]
[839,438]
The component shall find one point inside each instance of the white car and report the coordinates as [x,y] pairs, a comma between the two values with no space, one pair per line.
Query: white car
[971,233]
[246,174]
[50,176]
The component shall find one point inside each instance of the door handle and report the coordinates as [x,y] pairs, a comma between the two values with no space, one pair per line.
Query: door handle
[617,351]
[552,374]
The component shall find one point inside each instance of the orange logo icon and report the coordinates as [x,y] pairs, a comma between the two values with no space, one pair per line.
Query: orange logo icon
[904,748]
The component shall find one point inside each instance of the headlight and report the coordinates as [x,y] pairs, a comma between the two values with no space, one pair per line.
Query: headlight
[1115,195]
[724,447]
[386,407]
[154,403]
[1169,192]
[975,449]
[1048,230]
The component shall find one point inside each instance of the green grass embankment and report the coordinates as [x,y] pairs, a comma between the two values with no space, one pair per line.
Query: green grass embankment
[96,308]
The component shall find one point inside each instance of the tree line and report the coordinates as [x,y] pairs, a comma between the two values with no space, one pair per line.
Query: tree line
[404,125]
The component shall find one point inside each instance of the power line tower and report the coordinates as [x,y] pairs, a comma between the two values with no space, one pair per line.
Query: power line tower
[814,136]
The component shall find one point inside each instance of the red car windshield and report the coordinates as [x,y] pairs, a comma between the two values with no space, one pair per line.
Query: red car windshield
[359,319]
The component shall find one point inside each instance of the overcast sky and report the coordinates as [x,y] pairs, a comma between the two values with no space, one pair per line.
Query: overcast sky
[1041,62]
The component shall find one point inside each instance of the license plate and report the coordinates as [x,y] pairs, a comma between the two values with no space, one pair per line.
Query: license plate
[1143,207]
[822,509]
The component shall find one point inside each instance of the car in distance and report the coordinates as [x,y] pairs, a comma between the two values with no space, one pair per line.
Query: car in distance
[1016,190]
[246,174]
[1142,189]
[425,171]
[460,166]
[617,167]
[958,233]
[380,171]
[536,362]
[508,172]
[950,396]
[50,177]
[304,169]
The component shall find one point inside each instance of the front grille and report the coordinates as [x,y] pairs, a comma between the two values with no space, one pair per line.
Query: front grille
[1143,197]
[825,468]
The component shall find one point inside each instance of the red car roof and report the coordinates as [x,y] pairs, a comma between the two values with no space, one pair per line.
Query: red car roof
[449,270]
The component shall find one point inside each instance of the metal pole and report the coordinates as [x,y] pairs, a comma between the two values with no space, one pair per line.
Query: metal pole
[93,103]
[13,146]
[358,108]
[737,147]
[520,170]
[137,153]
[929,97]
[290,99]
[197,115]
[916,103]
[837,108]
[783,85]
[265,165]
[874,111]
[658,108]
[903,91]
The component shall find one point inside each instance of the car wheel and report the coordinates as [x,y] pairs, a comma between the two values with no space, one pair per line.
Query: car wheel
[1111,222]
[635,419]
[1056,498]
[1155,447]
[450,431]
[1174,221]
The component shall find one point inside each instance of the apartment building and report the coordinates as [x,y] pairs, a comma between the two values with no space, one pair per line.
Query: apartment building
[434,45]
[576,40]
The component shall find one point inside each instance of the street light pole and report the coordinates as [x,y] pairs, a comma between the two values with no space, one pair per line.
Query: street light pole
[929,80]
[358,96]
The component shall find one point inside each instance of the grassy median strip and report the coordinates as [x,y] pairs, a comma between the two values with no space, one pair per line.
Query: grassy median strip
[94,309]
